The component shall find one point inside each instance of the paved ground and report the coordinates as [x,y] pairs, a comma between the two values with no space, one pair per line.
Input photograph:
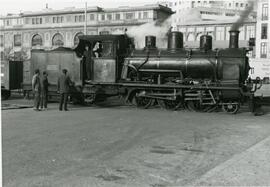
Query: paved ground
[123,146]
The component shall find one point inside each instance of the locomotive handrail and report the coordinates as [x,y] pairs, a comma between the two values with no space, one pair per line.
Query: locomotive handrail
[146,60]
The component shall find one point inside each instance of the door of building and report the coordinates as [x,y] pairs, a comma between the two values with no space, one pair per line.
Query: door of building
[15,74]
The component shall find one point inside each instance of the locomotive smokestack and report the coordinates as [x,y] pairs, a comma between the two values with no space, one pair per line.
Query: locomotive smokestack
[175,40]
[234,39]
[206,42]
[150,42]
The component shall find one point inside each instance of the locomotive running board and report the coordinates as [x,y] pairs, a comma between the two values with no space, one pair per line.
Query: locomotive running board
[180,86]
[138,85]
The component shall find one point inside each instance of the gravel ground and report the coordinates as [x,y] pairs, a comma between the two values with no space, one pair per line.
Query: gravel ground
[117,145]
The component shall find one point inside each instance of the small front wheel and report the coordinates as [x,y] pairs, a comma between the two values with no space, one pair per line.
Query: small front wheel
[231,107]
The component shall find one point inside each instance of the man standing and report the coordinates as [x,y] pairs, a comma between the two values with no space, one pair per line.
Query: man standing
[97,49]
[36,88]
[63,88]
[44,91]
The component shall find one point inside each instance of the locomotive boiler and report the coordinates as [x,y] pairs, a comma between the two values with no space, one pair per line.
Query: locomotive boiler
[199,79]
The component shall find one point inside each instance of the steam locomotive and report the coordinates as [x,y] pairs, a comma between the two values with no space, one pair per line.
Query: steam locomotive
[200,79]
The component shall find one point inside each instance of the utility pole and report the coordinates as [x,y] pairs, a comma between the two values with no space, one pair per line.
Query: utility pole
[85,19]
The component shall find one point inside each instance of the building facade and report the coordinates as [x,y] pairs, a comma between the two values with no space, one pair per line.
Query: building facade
[48,29]
[219,30]
[207,10]
[261,63]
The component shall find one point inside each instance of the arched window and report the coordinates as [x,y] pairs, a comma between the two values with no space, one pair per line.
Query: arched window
[37,40]
[76,38]
[58,40]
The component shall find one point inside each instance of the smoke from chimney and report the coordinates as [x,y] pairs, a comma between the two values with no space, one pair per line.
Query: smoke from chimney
[159,29]
[243,16]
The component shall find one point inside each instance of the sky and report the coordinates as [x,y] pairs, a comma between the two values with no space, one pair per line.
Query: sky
[17,6]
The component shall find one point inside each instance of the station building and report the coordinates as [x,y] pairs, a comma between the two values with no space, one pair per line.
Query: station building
[261,63]
[49,29]
[219,30]
[207,10]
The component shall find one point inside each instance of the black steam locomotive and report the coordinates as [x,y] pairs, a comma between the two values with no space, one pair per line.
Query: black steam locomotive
[200,79]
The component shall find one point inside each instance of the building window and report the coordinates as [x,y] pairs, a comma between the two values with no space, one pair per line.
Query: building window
[2,56]
[1,40]
[37,40]
[129,15]
[103,17]
[220,33]
[104,32]
[145,15]
[139,15]
[250,32]
[79,18]
[58,40]
[117,16]
[17,40]
[264,31]
[265,12]
[36,21]
[58,19]
[8,22]
[263,50]
[109,17]
[192,4]
[92,17]
[76,38]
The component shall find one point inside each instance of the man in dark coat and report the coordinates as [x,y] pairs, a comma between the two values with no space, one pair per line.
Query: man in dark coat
[36,88]
[63,85]
[44,91]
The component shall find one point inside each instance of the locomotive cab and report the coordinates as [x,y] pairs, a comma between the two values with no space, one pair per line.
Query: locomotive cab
[107,55]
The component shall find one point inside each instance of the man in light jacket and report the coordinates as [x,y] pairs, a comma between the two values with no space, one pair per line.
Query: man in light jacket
[36,88]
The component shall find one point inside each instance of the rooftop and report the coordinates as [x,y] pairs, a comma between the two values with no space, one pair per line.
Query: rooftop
[68,10]
[216,22]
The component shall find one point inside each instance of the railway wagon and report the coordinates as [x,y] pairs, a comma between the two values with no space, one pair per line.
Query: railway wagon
[11,77]
[105,68]
[52,62]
